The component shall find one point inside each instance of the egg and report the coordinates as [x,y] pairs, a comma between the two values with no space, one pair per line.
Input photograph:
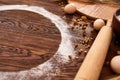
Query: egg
[98,24]
[115,64]
[70,9]
[118,17]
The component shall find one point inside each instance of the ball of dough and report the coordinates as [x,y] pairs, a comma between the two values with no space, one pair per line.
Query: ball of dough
[115,64]
[70,9]
[98,24]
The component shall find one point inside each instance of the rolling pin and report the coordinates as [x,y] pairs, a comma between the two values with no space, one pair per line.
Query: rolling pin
[94,60]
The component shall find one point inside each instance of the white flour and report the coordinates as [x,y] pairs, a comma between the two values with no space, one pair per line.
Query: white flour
[48,68]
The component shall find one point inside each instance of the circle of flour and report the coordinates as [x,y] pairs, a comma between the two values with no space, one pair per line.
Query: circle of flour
[48,69]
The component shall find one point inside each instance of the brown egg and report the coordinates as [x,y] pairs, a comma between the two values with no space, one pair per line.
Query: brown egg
[115,64]
[98,24]
[70,9]
[118,17]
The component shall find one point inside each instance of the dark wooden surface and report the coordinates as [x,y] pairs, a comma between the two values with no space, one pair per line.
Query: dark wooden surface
[28,39]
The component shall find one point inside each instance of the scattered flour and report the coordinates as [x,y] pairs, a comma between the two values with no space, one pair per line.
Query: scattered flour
[48,69]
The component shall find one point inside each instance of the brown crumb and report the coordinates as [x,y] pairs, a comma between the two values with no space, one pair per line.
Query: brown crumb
[88,46]
[75,22]
[91,38]
[92,30]
[80,51]
[85,51]
[80,25]
[79,20]
[77,57]
[86,40]
[70,57]
[84,33]
[83,17]
[85,24]
[84,27]
[62,4]
[72,28]
[76,46]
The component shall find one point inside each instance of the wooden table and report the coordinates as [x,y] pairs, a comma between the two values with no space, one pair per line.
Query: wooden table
[28,39]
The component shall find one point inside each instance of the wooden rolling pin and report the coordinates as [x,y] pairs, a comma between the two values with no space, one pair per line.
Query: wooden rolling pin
[93,63]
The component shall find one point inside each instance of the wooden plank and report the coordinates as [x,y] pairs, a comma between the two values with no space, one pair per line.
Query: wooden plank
[15,55]
[26,40]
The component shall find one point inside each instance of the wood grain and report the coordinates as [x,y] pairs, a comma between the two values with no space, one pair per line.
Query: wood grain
[22,31]
[95,10]
[26,40]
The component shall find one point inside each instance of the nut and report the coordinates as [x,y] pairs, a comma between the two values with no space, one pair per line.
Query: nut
[79,20]
[80,51]
[83,17]
[86,40]
[84,27]
[75,22]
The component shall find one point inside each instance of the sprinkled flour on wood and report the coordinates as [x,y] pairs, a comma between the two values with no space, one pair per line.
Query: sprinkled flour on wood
[51,67]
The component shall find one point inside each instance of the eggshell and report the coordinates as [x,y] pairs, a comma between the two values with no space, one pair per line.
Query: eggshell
[70,9]
[98,24]
[115,64]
